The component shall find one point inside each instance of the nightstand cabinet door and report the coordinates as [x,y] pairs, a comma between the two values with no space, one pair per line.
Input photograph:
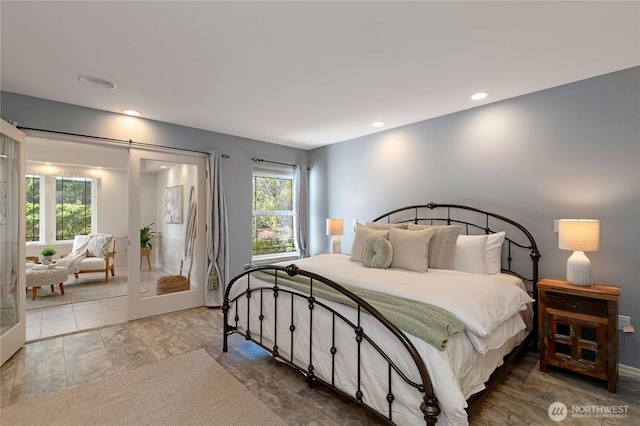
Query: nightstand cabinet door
[577,344]
[578,329]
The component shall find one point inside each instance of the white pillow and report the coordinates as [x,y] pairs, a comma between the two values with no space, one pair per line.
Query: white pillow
[362,235]
[79,240]
[470,254]
[99,245]
[410,249]
[493,252]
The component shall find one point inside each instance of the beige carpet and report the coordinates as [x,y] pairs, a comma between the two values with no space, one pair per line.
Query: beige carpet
[76,291]
[188,389]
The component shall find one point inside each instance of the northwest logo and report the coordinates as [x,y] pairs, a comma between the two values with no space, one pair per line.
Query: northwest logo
[557,411]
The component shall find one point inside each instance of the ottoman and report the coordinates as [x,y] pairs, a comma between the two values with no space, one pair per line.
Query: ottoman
[37,278]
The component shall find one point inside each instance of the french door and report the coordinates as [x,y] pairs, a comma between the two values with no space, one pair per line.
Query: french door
[167,205]
[12,241]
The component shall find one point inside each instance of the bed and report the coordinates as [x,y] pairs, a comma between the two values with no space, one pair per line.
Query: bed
[423,339]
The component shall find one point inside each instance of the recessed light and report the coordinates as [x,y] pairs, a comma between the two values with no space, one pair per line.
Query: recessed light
[480,95]
[378,123]
[96,82]
[132,112]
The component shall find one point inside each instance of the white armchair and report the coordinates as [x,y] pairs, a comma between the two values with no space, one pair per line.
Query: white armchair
[100,254]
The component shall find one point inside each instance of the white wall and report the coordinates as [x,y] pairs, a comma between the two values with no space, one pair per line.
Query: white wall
[148,213]
[173,233]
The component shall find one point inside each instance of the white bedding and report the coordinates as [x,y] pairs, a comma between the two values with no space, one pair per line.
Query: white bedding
[489,305]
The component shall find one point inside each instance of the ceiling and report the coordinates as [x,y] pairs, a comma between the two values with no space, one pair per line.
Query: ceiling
[307,74]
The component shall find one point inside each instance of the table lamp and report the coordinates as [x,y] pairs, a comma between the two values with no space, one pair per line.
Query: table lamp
[335,228]
[579,235]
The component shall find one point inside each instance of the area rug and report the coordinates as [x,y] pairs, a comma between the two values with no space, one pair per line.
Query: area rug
[80,291]
[188,389]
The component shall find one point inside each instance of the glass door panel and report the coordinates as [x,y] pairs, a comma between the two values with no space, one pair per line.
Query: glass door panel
[12,241]
[165,191]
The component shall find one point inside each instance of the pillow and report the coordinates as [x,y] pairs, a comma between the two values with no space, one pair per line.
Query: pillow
[442,245]
[376,225]
[470,254]
[78,241]
[99,245]
[493,252]
[410,249]
[362,235]
[377,253]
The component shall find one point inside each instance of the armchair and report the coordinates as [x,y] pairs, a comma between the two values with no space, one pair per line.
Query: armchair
[98,256]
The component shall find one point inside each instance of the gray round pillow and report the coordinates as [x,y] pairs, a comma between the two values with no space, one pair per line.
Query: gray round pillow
[377,253]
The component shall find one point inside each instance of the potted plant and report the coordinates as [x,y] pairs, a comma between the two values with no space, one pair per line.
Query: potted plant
[146,235]
[48,253]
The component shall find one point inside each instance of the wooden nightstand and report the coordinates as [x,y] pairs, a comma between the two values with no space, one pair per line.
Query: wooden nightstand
[578,328]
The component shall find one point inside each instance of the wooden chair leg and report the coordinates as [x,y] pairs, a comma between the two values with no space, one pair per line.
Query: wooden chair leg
[34,294]
[52,290]
[62,288]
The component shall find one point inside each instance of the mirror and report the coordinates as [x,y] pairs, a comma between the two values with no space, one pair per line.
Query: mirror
[167,234]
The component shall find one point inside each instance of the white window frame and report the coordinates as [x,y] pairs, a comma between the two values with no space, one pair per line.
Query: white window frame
[278,172]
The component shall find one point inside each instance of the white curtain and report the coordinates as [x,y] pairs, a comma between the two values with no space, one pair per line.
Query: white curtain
[217,236]
[300,210]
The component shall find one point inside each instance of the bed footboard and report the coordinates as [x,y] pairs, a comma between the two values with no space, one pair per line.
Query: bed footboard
[248,318]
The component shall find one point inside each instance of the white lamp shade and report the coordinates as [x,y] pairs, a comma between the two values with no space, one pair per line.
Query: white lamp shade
[335,226]
[579,234]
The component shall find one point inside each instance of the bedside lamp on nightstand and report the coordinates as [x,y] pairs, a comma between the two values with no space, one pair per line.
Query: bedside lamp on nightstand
[335,228]
[579,235]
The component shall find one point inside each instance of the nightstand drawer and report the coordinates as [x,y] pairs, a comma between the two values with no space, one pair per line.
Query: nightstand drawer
[578,305]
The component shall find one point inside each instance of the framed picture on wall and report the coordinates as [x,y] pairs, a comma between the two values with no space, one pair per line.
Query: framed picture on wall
[173,204]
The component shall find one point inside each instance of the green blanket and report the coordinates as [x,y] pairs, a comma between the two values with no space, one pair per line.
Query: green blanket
[430,323]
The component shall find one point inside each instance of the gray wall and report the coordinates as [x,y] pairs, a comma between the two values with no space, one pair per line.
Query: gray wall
[48,115]
[567,152]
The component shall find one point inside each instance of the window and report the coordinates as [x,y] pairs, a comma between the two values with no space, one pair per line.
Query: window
[272,212]
[58,208]
[73,207]
[33,208]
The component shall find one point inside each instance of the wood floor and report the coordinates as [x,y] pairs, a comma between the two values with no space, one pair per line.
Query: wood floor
[47,366]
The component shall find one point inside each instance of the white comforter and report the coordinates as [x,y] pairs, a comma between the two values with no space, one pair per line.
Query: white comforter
[489,305]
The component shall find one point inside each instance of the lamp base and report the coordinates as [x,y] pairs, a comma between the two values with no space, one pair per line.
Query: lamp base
[579,269]
[336,247]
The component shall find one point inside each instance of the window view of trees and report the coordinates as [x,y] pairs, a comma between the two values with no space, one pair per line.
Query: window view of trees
[33,208]
[73,208]
[272,215]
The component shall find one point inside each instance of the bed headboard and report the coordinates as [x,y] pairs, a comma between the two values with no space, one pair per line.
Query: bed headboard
[519,243]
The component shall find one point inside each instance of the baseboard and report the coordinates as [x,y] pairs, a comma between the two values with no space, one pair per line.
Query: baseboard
[625,370]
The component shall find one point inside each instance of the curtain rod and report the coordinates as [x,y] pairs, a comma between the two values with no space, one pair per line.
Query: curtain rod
[260,160]
[121,141]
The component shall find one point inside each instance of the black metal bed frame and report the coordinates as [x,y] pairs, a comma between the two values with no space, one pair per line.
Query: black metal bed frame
[429,406]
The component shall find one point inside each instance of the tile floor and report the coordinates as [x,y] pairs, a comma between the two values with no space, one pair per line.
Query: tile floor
[64,319]
[58,320]
[43,367]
